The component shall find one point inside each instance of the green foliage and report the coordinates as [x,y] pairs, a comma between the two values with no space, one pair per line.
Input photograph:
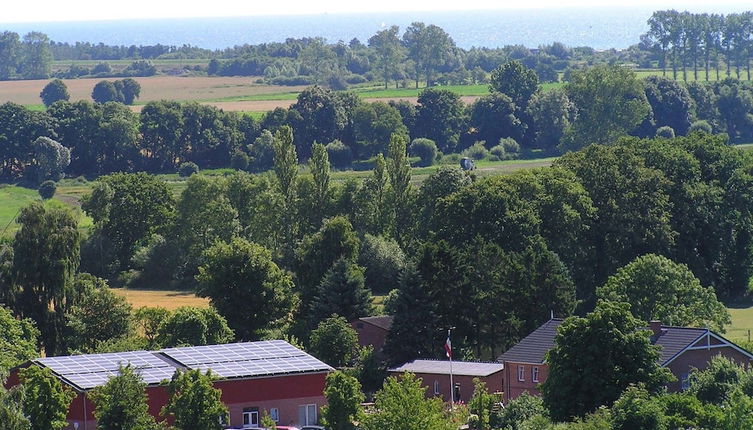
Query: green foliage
[340,154]
[597,357]
[45,259]
[344,398]
[149,320]
[738,411]
[518,411]
[105,91]
[12,416]
[267,422]
[18,339]
[369,369]
[121,404]
[480,406]
[477,151]
[342,292]
[47,189]
[98,316]
[659,289]
[440,117]
[189,326]
[717,382]
[50,160]
[194,403]
[401,404]
[54,91]
[665,132]
[636,410]
[286,171]
[496,116]
[383,261]
[610,102]
[243,272]
[684,410]
[552,113]
[45,400]
[516,81]
[334,341]
[188,169]
[320,170]
[400,192]
[425,149]
[702,126]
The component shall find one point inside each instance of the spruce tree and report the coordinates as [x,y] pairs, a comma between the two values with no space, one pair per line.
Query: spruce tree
[342,292]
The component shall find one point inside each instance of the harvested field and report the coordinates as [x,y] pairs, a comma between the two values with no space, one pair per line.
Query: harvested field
[152,88]
[161,298]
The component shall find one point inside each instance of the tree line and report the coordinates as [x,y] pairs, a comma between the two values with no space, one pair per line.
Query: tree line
[700,40]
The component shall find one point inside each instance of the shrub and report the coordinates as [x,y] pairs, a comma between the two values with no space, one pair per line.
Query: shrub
[702,126]
[339,154]
[424,148]
[512,148]
[498,152]
[665,132]
[47,189]
[239,161]
[477,151]
[187,169]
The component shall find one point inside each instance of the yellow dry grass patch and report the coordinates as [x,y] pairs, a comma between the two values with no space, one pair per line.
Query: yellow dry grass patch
[153,88]
[161,298]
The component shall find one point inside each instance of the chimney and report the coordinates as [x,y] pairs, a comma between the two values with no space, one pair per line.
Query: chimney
[655,327]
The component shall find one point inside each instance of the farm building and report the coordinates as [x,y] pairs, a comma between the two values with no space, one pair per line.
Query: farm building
[435,375]
[372,331]
[254,377]
[682,349]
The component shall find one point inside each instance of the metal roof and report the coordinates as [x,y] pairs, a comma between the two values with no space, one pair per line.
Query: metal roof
[235,360]
[533,348]
[383,322]
[441,367]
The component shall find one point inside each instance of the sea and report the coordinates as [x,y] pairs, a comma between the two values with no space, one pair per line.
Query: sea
[598,27]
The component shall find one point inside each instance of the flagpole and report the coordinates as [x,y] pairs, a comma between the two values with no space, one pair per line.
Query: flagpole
[452,385]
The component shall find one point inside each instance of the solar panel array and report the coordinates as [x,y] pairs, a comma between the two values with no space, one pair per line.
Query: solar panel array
[246,359]
[92,370]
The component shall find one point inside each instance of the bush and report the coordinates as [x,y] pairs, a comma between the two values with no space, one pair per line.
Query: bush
[498,152]
[424,148]
[187,169]
[702,126]
[239,161]
[665,132]
[355,79]
[383,261]
[390,302]
[477,151]
[339,154]
[47,189]
[512,148]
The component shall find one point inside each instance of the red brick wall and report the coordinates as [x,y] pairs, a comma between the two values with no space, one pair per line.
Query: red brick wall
[514,388]
[494,383]
[369,334]
[699,359]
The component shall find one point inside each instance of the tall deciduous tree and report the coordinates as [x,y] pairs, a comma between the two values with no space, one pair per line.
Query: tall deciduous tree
[610,102]
[193,326]
[243,272]
[46,401]
[12,416]
[286,171]
[10,51]
[597,357]
[344,398]
[54,91]
[440,117]
[402,404]
[659,289]
[516,81]
[320,170]
[121,404]
[398,168]
[387,45]
[334,341]
[18,339]
[194,403]
[45,260]
[37,57]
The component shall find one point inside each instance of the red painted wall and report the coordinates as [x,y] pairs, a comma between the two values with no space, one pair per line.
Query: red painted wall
[514,388]
[699,359]
[494,383]
[369,334]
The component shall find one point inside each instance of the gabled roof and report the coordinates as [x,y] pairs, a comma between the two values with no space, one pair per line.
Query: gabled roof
[442,367]
[672,340]
[227,361]
[383,322]
[533,348]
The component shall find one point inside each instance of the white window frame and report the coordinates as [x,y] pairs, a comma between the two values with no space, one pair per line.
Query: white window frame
[521,373]
[250,415]
[274,413]
[309,421]
[436,387]
[535,374]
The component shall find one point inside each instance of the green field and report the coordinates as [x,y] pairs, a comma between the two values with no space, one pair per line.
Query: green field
[13,198]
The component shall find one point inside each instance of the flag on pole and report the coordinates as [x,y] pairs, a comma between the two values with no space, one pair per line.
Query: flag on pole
[448,346]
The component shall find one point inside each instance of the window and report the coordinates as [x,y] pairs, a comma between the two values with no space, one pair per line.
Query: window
[521,373]
[535,374]
[251,418]
[274,413]
[436,387]
[307,415]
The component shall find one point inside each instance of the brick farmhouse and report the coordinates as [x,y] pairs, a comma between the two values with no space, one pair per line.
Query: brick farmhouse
[255,377]
[682,349]
[435,376]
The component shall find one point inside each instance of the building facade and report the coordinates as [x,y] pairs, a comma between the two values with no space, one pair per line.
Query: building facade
[435,377]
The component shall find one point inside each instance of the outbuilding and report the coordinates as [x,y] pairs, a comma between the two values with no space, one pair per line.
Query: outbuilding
[435,376]
[255,377]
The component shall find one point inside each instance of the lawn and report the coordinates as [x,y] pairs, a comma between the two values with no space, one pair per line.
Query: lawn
[742,322]
[167,299]
[13,198]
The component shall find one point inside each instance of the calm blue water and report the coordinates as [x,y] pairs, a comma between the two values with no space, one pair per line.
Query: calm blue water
[600,28]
